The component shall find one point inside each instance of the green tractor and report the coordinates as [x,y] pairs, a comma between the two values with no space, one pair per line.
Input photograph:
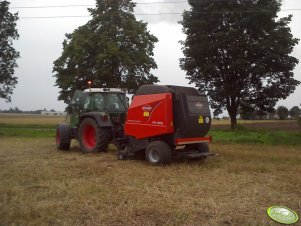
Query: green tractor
[97,117]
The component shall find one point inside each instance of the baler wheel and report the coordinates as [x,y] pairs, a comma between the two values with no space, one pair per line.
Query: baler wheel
[200,148]
[121,156]
[93,138]
[158,152]
[203,147]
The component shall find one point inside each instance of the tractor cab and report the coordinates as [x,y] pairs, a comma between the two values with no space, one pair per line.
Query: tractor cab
[105,101]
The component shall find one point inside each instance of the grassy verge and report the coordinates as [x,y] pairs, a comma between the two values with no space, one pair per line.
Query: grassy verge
[14,130]
[241,136]
[256,137]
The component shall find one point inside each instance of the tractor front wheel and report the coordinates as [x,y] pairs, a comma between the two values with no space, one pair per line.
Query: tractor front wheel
[93,138]
[63,136]
[158,152]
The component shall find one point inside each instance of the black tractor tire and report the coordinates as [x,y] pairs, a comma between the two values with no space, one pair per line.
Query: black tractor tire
[93,138]
[63,136]
[158,152]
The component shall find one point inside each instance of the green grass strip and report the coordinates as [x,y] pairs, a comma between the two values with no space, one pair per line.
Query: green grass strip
[29,126]
[240,136]
[256,137]
[26,132]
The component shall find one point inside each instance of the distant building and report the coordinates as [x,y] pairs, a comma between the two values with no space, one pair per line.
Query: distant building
[53,113]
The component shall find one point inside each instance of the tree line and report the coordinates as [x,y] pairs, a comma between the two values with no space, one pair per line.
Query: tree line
[281,112]
[17,110]
[236,52]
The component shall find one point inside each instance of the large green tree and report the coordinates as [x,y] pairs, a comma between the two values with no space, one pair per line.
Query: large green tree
[8,55]
[113,50]
[238,52]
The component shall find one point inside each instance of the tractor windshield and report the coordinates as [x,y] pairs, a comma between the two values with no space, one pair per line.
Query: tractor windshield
[83,102]
[98,101]
[112,102]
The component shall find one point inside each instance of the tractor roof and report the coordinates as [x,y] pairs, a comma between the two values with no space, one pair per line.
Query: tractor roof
[104,90]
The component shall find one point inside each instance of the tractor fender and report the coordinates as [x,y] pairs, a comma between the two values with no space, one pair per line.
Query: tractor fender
[98,117]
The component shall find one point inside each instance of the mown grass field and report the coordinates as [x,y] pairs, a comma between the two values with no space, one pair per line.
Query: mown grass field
[30,120]
[42,186]
[22,125]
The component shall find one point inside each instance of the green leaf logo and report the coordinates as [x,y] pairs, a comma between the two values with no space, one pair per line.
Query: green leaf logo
[282,215]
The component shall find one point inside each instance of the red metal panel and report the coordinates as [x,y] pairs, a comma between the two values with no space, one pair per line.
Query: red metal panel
[150,115]
[194,140]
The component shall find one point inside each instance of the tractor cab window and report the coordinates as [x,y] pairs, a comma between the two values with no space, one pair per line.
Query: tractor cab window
[102,101]
[99,102]
[112,102]
[115,102]
[87,103]
[79,102]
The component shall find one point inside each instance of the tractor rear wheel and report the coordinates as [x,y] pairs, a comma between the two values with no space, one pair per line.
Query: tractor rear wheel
[63,136]
[93,138]
[158,152]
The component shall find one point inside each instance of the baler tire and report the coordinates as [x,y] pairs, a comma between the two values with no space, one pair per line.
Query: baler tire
[158,152]
[203,147]
[199,147]
[93,138]
[63,137]
[121,156]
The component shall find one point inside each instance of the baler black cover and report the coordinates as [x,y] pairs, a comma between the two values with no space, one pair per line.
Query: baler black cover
[187,112]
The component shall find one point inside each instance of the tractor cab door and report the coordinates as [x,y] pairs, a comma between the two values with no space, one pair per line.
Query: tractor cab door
[78,105]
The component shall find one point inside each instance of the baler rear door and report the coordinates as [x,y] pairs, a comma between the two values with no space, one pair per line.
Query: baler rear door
[191,115]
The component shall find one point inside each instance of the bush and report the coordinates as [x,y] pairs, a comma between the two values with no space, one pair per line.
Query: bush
[295,112]
[282,112]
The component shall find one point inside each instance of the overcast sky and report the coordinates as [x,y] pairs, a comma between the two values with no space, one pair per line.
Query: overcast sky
[41,40]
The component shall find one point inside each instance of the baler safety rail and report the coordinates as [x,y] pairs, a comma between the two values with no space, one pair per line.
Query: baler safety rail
[194,140]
